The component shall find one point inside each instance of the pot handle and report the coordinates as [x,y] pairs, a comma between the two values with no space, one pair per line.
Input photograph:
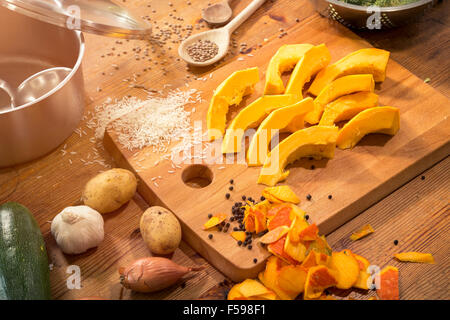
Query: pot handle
[7,88]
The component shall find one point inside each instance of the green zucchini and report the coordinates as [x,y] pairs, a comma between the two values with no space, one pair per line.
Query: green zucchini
[24,269]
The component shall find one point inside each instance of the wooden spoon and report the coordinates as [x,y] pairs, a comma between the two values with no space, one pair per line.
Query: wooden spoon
[218,14]
[220,36]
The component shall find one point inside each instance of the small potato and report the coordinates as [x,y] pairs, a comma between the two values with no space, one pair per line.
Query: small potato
[161,230]
[109,190]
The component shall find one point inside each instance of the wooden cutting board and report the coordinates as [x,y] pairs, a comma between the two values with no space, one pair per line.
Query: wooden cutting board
[356,178]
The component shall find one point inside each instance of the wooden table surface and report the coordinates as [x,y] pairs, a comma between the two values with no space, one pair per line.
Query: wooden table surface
[417,214]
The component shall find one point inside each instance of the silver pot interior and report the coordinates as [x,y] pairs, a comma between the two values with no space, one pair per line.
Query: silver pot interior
[28,46]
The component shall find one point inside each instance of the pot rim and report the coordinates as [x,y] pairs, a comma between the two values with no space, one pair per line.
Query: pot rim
[80,37]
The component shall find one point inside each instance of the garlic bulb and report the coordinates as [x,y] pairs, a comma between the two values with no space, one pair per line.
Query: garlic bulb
[77,229]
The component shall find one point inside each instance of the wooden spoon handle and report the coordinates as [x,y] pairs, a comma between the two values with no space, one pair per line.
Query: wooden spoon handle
[244,15]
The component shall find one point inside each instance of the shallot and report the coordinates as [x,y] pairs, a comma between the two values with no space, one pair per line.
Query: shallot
[153,274]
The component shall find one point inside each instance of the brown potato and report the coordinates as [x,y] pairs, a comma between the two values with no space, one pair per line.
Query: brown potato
[160,230]
[109,190]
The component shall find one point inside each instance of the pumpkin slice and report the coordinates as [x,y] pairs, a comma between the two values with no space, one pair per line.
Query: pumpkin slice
[310,233]
[315,258]
[314,60]
[269,277]
[296,251]
[385,120]
[388,284]
[286,119]
[279,216]
[365,61]
[362,232]
[338,88]
[346,267]
[234,292]
[317,280]
[277,249]
[415,257]
[320,245]
[238,235]
[273,235]
[250,288]
[229,92]
[260,221]
[363,277]
[298,225]
[250,117]
[292,278]
[284,60]
[317,142]
[214,221]
[282,194]
[346,107]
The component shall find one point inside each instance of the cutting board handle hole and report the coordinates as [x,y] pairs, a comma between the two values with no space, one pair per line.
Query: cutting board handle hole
[197,176]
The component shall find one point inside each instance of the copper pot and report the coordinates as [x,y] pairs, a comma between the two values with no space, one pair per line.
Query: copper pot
[28,46]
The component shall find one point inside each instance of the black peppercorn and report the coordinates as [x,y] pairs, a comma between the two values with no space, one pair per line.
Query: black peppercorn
[330,196]
[306,217]
[231,188]
[309,197]
[210,215]
[244,197]
[210,236]
[395,242]
[227,195]
[313,167]
[422,177]
[235,229]
[250,247]
[255,260]
[231,181]
[263,198]
[239,242]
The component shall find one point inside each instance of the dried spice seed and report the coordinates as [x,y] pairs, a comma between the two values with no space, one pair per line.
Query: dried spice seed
[210,236]
[330,196]
[231,188]
[231,181]
[309,197]
[255,260]
[210,216]
[395,242]
[422,177]
[239,243]
[244,197]
[307,217]
[227,195]
[202,51]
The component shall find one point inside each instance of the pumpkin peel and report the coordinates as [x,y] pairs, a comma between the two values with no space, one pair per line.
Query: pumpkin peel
[415,257]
